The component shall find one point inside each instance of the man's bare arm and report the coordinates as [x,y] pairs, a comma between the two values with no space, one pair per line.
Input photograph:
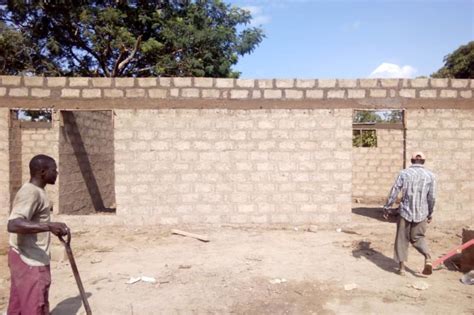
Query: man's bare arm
[24,226]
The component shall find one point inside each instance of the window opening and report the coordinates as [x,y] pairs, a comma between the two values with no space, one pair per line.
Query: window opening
[364,138]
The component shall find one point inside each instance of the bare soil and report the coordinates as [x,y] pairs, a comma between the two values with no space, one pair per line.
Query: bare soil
[253,271]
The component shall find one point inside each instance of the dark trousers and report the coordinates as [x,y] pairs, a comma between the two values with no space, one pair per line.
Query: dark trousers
[410,232]
[29,287]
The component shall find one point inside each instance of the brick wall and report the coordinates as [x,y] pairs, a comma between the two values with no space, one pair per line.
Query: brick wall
[234,166]
[86,161]
[16,171]
[447,138]
[40,141]
[242,151]
[94,93]
[374,169]
[4,163]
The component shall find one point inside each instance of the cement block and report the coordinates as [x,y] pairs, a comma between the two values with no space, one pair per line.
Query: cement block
[272,94]
[245,83]
[459,83]
[448,93]
[305,83]
[35,92]
[428,93]
[203,82]
[344,83]
[101,82]
[368,83]
[265,84]
[239,94]
[33,81]
[284,83]
[466,94]
[78,82]
[225,83]
[18,92]
[327,83]
[113,93]
[56,82]
[293,94]
[10,80]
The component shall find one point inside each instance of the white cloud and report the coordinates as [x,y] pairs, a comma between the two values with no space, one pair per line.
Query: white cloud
[258,18]
[390,70]
[253,9]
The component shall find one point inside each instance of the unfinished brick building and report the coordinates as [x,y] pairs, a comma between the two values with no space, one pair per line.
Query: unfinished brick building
[203,150]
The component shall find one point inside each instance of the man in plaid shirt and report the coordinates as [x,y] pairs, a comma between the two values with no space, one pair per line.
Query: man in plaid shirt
[418,187]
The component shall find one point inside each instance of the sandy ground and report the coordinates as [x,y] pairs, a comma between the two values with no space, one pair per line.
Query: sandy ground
[239,269]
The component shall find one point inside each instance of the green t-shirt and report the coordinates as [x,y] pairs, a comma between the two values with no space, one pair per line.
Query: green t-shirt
[32,203]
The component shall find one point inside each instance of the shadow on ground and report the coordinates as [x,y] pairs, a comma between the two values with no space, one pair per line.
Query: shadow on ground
[364,249]
[375,213]
[69,306]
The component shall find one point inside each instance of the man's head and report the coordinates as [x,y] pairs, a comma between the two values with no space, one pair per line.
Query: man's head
[418,158]
[44,168]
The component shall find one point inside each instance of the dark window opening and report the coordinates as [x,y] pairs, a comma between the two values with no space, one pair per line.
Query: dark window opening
[364,138]
[34,115]
[33,118]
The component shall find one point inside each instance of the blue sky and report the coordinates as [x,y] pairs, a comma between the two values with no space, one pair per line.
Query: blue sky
[355,38]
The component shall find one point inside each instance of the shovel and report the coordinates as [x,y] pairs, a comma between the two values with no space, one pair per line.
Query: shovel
[67,245]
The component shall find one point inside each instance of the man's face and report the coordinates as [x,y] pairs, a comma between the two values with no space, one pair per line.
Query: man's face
[51,173]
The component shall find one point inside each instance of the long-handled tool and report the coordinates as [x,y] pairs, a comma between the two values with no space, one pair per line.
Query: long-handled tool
[452,252]
[67,245]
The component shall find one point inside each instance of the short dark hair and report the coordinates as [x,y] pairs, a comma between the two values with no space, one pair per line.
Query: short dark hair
[40,162]
[417,161]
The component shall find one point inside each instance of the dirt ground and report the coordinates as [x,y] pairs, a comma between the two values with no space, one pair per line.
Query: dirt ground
[253,270]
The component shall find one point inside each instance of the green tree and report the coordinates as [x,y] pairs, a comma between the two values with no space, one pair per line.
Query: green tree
[113,38]
[366,116]
[392,116]
[459,64]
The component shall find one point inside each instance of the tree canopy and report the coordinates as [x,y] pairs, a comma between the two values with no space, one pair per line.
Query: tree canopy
[459,64]
[114,38]
[382,116]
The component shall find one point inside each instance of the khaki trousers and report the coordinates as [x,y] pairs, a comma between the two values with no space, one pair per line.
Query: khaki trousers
[410,232]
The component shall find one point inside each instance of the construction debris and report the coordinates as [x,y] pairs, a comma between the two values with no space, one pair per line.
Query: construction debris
[277,281]
[420,285]
[133,280]
[350,286]
[201,237]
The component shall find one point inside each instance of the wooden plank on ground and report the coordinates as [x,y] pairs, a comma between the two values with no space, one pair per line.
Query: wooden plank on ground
[201,237]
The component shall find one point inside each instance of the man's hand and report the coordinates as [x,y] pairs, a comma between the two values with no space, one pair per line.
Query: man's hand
[58,228]
[429,219]
[386,213]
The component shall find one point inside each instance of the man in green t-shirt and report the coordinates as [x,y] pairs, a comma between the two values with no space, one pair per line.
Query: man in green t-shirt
[29,225]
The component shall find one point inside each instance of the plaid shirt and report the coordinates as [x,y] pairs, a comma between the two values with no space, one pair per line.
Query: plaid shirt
[418,187]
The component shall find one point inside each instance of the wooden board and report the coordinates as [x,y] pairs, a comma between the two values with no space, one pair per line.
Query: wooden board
[201,237]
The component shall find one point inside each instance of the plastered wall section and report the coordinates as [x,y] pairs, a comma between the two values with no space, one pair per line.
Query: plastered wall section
[375,169]
[41,141]
[233,166]
[87,162]
[4,163]
[447,138]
